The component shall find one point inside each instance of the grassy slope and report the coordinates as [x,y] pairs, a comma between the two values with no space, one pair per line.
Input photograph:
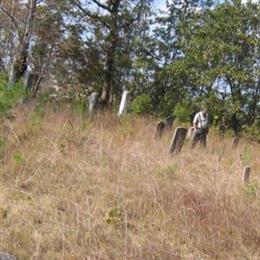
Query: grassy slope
[105,190]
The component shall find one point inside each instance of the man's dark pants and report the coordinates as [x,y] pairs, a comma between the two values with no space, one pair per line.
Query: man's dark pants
[199,135]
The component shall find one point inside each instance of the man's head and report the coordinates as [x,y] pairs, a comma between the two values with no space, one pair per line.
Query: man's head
[204,111]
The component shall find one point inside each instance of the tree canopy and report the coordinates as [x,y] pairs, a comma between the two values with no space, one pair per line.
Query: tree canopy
[189,53]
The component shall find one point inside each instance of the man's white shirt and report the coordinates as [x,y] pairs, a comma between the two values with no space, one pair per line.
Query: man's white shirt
[200,120]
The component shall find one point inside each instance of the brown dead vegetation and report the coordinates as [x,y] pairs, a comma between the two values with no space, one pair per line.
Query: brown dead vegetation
[71,188]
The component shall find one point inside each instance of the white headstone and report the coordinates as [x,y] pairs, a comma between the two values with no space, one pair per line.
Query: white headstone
[123,103]
[92,103]
[190,132]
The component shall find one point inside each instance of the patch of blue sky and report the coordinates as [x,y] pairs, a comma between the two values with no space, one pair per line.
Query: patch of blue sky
[160,5]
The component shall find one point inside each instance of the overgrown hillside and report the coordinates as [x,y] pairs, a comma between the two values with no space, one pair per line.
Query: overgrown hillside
[71,188]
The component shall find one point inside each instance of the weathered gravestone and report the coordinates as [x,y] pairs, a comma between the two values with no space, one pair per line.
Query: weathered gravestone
[30,81]
[235,143]
[246,174]
[5,256]
[178,140]
[159,130]
[92,103]
[169,122]
[190,132]
[222,129]
[123,103]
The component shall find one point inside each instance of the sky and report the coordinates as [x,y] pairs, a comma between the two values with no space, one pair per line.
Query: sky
[161,4]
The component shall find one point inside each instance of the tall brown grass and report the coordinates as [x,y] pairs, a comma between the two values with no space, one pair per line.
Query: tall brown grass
[74,188]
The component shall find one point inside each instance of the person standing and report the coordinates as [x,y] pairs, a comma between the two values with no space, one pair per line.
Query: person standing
[201,127]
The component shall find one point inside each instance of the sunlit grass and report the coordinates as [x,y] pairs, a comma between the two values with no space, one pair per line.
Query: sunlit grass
[74,188]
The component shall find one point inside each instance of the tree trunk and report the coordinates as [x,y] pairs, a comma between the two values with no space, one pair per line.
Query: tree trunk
[111,52]
[19,65]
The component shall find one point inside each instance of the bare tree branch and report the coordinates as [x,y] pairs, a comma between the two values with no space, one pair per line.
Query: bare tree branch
[11,17]
[91,15]
[102,5]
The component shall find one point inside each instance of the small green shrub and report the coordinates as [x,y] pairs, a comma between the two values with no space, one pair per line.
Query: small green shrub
[18,157]
[9,96]
[182,112]
[115,216]
[250,190]
[2,144]
[142,105]
[253,132]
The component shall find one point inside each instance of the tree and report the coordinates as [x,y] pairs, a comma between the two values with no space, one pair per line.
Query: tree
[21,19]
[222,43]
[114,18]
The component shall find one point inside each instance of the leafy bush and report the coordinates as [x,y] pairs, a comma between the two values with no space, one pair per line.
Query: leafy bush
[142,105]
[251,189]
[8,97]
[182,112]
[253,132]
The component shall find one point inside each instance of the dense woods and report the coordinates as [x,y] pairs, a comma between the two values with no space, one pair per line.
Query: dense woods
[174,60]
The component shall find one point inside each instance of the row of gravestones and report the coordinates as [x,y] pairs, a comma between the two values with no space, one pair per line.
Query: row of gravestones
[179,137]
[93,102]
[180,134]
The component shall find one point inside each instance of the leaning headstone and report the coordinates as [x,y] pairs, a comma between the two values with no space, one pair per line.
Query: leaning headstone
[178,140]
[190,132]
[222,129]
[29,82]
[92,103]
[159,130]
[235,143]
[123,103]
[169,122]
[246,174]
[5,256]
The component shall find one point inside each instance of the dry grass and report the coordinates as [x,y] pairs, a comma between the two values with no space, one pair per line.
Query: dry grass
[103,189]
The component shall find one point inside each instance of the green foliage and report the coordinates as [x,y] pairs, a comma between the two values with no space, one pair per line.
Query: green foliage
[182,112]
[18,157]
[2,143]
[8,97]
[142,105]
[250,190]
[213,103]
[252,132]
[115,216]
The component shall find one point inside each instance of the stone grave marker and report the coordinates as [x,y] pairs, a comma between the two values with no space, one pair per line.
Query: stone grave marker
[169,122]
[222,129]
[190,132]
[159,130]
[235,143]
[178,140]
[30,81]
[92,103]
[246,173]
[123,103]
[5,256]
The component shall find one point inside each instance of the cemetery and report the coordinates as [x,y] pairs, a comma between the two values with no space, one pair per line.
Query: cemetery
[101,184]
[129,129]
